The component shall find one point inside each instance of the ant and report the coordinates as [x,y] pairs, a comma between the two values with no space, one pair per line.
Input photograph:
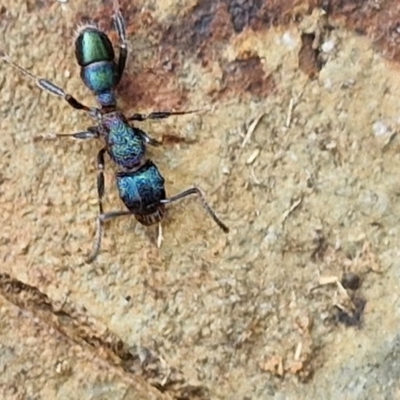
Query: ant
[139,182]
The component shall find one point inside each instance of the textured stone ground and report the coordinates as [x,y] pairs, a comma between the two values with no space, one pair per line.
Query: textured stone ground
[298,152]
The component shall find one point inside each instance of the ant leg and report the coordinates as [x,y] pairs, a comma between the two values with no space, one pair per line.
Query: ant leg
[46,85]
[197,191]
[100,230]
[100,195]
[103,217]
[100,178]
[146,138]
[119,24]
[90,133]
[159,115]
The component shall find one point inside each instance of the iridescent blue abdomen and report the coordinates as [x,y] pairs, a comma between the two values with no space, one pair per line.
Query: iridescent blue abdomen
[99,72]
[125,145]
[141,191]
[92,45]
[100,76]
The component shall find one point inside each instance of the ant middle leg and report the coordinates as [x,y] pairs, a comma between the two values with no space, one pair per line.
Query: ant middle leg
[147,138]
[89,133]
[46,85]
[159,115]
[198,192]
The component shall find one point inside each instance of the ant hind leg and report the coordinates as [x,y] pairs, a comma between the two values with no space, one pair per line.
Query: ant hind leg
[119,24]
[46,85]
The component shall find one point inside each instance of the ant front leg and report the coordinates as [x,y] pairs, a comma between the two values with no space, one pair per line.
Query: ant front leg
[102,217]
[46,85]
[100,178]
[119,24]
[198,192]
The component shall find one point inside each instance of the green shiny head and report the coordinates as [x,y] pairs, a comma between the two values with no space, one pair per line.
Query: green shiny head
[93,45]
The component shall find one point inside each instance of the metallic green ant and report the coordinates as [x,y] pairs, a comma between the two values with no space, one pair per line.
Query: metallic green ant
[139,182]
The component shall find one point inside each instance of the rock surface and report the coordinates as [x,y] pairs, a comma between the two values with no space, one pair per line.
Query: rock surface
[296,149]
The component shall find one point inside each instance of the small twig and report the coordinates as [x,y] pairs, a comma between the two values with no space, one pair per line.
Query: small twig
[253,175]
[251,129]
[291,209]
[290,112]
[160,237]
